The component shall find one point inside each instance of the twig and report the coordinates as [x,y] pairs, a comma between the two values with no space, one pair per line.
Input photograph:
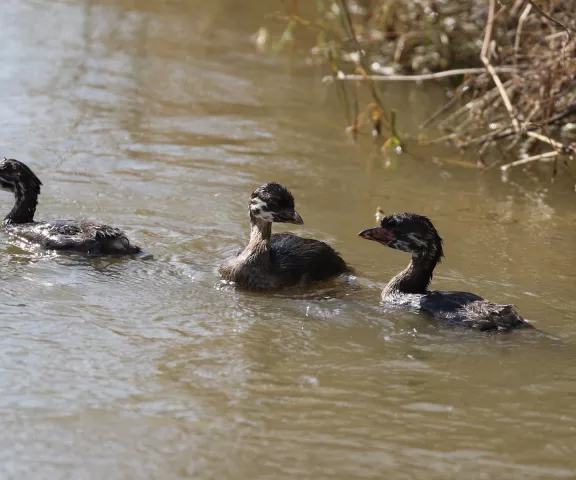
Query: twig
[517,5]
[544,14]
[487,137]
[521,21]
[524,161]
[447,106]
[416,78]
[479,103]
[560,146]
[490,68]
[507,132]
[571,110]
[450,136]
[553,36]
[527,129]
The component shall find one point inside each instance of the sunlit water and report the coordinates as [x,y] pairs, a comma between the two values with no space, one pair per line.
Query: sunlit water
[161,118]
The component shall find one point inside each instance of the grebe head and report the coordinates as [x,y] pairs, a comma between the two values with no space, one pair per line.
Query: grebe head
[18,178]
[273,202]
[408,232]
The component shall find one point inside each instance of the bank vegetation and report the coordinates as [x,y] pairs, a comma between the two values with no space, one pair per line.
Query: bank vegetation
[510,66]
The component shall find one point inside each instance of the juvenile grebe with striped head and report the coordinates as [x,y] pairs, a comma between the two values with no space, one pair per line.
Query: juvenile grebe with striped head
[280,260]
[416,235]
[64,235]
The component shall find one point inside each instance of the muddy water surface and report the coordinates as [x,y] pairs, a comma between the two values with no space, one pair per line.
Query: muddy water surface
[161,118]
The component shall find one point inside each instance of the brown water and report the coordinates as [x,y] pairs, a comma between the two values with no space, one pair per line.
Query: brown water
[160,118]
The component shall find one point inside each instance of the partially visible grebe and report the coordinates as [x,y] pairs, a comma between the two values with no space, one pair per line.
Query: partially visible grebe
[66,235]
[281,260]
[415,234]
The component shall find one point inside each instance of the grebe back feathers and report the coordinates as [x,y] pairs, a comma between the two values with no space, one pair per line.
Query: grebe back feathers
[66,235]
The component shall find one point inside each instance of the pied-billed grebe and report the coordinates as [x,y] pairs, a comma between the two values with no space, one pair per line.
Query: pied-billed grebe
[70,235]
[415,234]
[281,260]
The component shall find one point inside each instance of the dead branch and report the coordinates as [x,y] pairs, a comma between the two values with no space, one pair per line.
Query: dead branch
[486,61]
[524,161]
[553,20]
[414,78]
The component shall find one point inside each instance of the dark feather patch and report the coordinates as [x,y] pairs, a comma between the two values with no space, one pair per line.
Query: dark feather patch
[72,235]
[276,197]
[294,257]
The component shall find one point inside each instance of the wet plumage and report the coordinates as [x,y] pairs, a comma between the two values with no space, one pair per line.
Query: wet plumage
[280,260]
[65,235]
[415,234]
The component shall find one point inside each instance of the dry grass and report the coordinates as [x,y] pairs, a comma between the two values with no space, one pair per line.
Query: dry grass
[515,63]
